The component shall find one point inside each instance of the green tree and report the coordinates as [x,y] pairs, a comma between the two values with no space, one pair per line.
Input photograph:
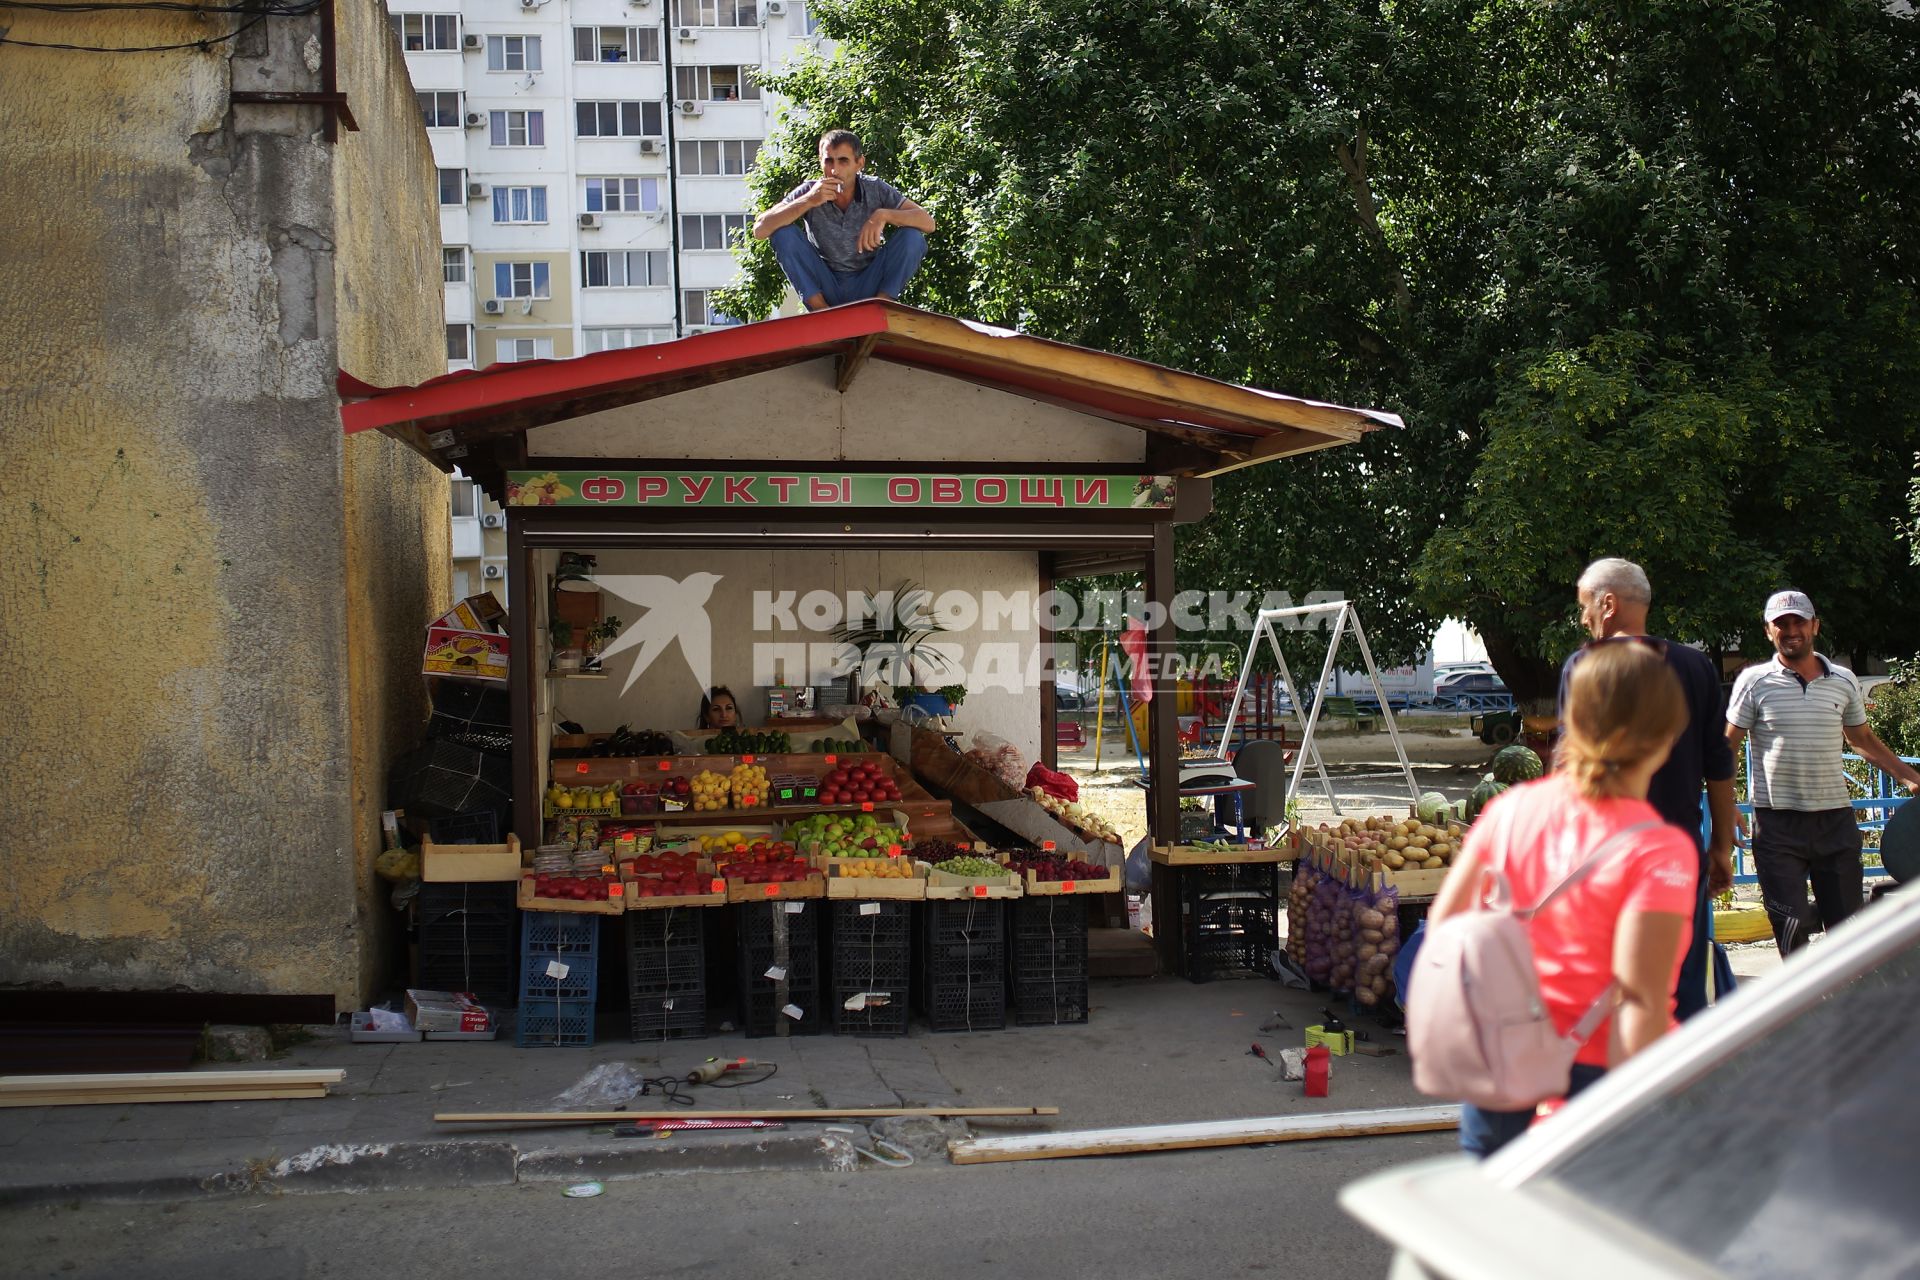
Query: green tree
[1671,242]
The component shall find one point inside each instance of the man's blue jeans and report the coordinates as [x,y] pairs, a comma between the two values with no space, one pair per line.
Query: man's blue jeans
[898,258]
[1484,1132]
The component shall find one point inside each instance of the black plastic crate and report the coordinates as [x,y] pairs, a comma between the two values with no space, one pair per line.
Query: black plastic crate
[1049,1002]
[761,947]
[1047,969]
[960,965]
[1230,919]
[462,706]
[872,946]
[667,973]
[479,827]
[466,938]
[441,778]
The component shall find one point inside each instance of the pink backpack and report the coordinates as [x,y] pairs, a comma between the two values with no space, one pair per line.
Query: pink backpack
[1478,1030]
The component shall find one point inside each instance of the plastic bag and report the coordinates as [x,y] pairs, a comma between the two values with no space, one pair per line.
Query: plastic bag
[1345,943]
[1058,785]
[999,757]
[1376,936]
[388,1020]
[1298,897]
[607,1085]
[1324,908]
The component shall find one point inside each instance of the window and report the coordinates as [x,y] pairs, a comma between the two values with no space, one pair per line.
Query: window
[512,350]
[612,269]
[710,230]
[616,44]
[804,20]
[618,119]
[519,204]
[518,128]
[623,195]
[453,186]
[715,84]
[440,109]
[620,339]
[716,159]
[694,309]
[513,53]
[459,342]
[520,280]
[461,495]
[453,264]
[717,13]
[427,32]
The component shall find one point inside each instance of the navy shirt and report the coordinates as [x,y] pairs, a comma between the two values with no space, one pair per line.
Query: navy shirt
[1701,753]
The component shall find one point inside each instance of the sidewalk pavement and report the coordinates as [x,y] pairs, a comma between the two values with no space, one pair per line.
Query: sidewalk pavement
[1154,1051]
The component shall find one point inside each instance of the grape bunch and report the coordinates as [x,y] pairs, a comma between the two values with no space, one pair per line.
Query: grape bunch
[1052,867]
[974,867]
[939,850]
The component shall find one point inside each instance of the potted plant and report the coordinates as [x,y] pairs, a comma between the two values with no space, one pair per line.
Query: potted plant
[604,631]
[565,656]
[894,646]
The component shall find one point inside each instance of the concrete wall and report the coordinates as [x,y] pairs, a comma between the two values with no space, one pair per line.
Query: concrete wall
[181,657]
[995,656]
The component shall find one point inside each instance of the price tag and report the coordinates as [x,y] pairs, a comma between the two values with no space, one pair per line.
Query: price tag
[795,908]
[615,891]
[606,870]
[773,891]
[832,759]
[557,971]
[855,1002]
[866,806]
[1066,886]
[979,891]
[746,759]
[794,1011]
[893,851]
[776,973]
[719,886]
[869,908]
[667,1004]
[1047,845]
[663,766]
[580,768]
[739,848]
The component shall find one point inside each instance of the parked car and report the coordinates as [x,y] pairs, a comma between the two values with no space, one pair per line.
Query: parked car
[1770,1137]
[1455,683]
[1068,695]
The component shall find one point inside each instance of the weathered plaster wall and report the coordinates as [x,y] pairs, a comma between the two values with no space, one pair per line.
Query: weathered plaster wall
[173,554]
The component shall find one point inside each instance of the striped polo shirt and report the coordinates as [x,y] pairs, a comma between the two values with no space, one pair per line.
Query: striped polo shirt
[1797,733]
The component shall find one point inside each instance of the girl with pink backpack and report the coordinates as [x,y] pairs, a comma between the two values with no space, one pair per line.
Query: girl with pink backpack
[1552,948]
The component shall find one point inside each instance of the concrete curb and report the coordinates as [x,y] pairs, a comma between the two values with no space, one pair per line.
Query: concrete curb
[359,1168]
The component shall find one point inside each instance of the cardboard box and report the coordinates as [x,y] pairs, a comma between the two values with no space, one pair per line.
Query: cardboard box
[476,613]
[447,1011]
[474,655]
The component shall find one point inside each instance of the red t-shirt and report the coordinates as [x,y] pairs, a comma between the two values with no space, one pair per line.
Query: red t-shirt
[1539,832]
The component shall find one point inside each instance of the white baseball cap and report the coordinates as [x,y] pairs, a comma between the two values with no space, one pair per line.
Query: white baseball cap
[1781,602]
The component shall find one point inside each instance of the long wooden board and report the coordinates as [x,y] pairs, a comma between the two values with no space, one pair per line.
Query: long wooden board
[133,1096]
[1208,1133]
[742,1113]
[173,1080]
[1182,855]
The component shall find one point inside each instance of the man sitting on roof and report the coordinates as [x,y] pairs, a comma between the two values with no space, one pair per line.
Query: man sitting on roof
[830,233]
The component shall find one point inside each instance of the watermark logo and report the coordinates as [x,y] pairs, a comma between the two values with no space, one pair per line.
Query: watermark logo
[676,613]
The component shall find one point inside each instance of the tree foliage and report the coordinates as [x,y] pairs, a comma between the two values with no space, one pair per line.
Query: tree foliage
[1639,277]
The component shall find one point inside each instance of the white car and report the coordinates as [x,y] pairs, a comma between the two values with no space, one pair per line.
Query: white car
[1775,1136]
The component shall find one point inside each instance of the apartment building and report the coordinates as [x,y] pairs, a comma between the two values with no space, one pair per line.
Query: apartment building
[592,158]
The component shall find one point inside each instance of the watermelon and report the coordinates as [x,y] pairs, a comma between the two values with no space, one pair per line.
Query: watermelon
[1484,793]
[1516,764]
[1431,807]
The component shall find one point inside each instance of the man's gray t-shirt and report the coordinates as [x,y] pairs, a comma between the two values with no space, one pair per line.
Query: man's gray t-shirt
[835,232]
[1798,733]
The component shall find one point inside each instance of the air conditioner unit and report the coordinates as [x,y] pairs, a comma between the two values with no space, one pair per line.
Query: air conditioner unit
[589,220]
[493,520]
[652,146]
[493,306]
[471,43]
[475,120]
[776,8]
[493,570]
[692,107]
[689,34]
[476,191]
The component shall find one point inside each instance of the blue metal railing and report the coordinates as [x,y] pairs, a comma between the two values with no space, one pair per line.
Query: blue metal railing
[1882,798]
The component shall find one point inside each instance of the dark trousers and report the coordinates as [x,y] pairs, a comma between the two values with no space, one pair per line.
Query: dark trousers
[1790,849]
[1484,1132]
[1690,988]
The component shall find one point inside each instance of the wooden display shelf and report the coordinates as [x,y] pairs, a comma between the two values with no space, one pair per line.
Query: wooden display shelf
[703,866]
[590,770]
[1186,855]
[813,886]
[1112,882]
[573,906]
[862,888]
[945,885]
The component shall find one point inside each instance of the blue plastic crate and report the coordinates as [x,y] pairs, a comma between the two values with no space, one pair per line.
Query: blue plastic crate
[550,1024]
[580,981]
[559,931]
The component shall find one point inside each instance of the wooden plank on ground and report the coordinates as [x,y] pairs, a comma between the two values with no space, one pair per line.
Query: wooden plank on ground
[134,1096]
[1208,1133]
[741,1113]
[174,1080]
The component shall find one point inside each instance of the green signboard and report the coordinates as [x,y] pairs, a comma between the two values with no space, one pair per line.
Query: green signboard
[766,490]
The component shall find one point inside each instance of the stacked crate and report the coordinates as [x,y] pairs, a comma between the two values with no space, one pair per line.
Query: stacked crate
[559,979]
[1229,918]
[466,940]
[1047,974]
[870,968]
[667,973]
[961,964]
[778,966]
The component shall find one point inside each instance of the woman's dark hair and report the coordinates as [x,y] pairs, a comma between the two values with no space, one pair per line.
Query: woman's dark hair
[706,703]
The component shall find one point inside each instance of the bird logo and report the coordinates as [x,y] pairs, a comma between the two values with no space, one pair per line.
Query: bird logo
[675,611]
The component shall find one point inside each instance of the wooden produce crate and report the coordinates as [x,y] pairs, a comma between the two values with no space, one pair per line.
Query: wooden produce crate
[1113,882]
[814,886]
[574,906]
[470,863]
[944,884]
[1186,855]
[907,889]
[716,898]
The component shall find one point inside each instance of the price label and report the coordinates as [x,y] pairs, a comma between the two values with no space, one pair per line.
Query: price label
[719,886]
[580,768]
[606,870]
[557,971]
[776,973]
[746,759]
[663,766]
[893,851]
[866,806]
[773,891]
[795,908]
[615,891]
[869,908]
[979,891]
[833,759]
[1047,845]
[1066,886]
[739,848]
[794,1011]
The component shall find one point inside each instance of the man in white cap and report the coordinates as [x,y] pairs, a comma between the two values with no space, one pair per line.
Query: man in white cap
[1803,711]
